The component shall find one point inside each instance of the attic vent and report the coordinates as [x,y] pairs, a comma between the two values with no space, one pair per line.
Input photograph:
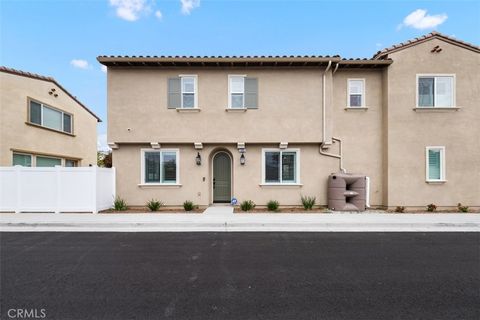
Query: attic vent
[436,49]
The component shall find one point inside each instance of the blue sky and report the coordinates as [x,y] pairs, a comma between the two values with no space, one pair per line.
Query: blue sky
[62,38]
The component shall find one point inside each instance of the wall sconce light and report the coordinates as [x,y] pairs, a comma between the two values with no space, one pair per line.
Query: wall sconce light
[198,159]
[242,159]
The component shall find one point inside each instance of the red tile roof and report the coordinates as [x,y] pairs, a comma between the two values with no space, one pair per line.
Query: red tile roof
[433,35]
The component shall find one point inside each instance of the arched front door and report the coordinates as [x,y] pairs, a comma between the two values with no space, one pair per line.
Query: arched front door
[222,177]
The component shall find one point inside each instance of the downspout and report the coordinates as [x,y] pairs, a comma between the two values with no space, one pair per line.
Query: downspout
[320,150]
[324,101]
[338,156]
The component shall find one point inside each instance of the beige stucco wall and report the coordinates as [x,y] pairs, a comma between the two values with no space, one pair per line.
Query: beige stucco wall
[290,110]
[283,95]
[409,132]
[17,135]
[246,183]
[361,129]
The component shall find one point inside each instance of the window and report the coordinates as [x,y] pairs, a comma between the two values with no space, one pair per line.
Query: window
[435,91]
[160,167]
[356,93]
[435,164]
[24,160]
[280,166]
[48,117]
[48,162]
[189,86]
[236,87]
[70,163]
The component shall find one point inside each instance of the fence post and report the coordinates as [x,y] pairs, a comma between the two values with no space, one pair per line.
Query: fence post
[95,191]
[59,188]
[17,188]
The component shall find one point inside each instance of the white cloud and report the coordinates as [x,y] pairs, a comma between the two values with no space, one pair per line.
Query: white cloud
[80,63]
[189,5]
[103,68]
[419,19]
[130,10]
[159,14]
[102,142]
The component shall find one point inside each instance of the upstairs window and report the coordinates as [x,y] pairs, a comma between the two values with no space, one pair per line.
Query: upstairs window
[435,91]
[356,93]
[182,92]
[160,167]
[236,85]
[188,91]
[435,164]
[49,117]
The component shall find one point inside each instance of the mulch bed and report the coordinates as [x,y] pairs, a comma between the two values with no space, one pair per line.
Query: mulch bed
[327,211]
[146,210]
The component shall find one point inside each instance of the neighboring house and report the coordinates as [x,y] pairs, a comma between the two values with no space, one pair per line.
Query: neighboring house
[208,129]
[42,124]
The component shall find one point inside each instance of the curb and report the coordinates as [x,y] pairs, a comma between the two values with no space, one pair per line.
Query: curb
[239,227]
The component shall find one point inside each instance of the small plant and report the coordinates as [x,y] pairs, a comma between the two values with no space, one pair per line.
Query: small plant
[308,202]
[154,205]
[188,205]
[273,205]
[462,208]
[119,204]
[247,205]
[431,207]
[400,209]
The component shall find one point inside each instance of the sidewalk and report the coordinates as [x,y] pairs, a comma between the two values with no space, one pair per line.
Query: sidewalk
[222,222]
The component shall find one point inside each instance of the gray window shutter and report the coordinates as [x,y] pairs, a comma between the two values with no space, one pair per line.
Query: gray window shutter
[174,93]
[251,93]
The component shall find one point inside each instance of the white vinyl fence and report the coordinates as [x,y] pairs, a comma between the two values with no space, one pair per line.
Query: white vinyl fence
[58,189]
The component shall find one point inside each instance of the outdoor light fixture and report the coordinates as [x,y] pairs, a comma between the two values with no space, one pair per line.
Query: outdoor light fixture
[242,159]
[198,159]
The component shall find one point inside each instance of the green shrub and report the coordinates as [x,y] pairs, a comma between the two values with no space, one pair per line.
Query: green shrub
[462,208]
[400,209]
[273,205]
[308,202]
[431,207]
[154,205]
[119,204]
[247,205]
[188,205]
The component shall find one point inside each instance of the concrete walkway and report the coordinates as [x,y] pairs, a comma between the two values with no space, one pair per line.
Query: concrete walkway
[219,221]
[219,210]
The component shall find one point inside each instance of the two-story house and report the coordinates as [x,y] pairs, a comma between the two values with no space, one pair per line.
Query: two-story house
[208,129]
[42,124]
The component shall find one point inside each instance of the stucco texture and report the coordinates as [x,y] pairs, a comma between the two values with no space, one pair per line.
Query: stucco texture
[16,134]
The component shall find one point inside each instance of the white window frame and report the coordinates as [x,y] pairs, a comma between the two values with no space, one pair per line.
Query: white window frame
[434,76]
[442,164]
[297,167]
[195,90]
[363,103]
[142,167]
[42,106]
[230,77]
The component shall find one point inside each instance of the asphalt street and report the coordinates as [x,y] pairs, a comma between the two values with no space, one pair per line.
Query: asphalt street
[241,275]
